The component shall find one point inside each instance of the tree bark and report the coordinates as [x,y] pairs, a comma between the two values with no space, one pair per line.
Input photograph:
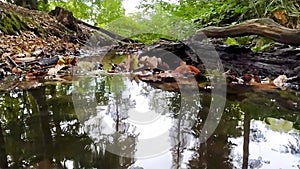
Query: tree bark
[263,27]
[30,4]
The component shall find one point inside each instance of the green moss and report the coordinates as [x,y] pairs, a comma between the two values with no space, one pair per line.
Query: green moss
[6,25]
[12,23]
[30,23]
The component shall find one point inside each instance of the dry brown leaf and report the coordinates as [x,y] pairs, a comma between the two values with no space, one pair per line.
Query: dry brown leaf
[16,70]
[281,16]
[263,85]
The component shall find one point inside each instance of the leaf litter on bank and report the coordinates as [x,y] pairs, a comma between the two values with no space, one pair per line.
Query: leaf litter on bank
[27,56]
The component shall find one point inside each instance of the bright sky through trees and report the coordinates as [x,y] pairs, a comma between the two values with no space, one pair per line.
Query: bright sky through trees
[130,5]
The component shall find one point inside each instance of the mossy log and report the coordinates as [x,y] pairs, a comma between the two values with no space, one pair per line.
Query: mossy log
[263,27]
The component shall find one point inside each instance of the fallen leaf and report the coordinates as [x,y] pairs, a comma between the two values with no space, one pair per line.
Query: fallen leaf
[4,55]
[16,70]
[26,59]
[281,16]
[37,52]
[280,81]
[184,68]
[54,70]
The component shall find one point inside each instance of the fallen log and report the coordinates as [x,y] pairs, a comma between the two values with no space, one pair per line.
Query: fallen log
[263,27]
[239,61]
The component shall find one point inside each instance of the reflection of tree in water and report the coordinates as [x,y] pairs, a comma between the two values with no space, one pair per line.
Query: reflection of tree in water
[3,154]
[14,112]
[183,110]
[108,96]
[259,105]
[118,103]
[40,128]
[293,147]
[159,101]
[215,151]
[123,141]
[179,142]
[257,135]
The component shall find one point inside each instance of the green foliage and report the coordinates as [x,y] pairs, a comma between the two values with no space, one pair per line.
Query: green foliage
[204,12]
[108,10]
[43,5]
[244,40]
[257,44]
[264,8]
[279,124]
[232,41]
[150,38]
[262,44]
[151,27]
[126,26]
[224,12]
[162,19]
[99,12]
[221,12]
[79,8]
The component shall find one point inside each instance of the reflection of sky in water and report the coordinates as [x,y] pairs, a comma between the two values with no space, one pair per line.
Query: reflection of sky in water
[267,146]
[149,122]
[145,116]
[165,161]
[148,117]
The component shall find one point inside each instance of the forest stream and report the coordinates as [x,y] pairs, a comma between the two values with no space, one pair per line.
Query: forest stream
[74,95]
[69,125]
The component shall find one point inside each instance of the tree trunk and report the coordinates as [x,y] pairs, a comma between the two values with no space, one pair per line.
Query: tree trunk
[30,4]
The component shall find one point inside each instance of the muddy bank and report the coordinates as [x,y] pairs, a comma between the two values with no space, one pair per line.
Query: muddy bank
[236,60]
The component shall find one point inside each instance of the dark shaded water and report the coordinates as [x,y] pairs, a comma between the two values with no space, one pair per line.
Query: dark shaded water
[83,125]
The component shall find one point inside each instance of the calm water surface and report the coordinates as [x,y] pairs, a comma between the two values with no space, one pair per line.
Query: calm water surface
[111,122]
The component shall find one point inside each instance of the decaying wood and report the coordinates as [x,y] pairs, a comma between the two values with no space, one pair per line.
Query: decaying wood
[66,17]
[239,61]
[263,27]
